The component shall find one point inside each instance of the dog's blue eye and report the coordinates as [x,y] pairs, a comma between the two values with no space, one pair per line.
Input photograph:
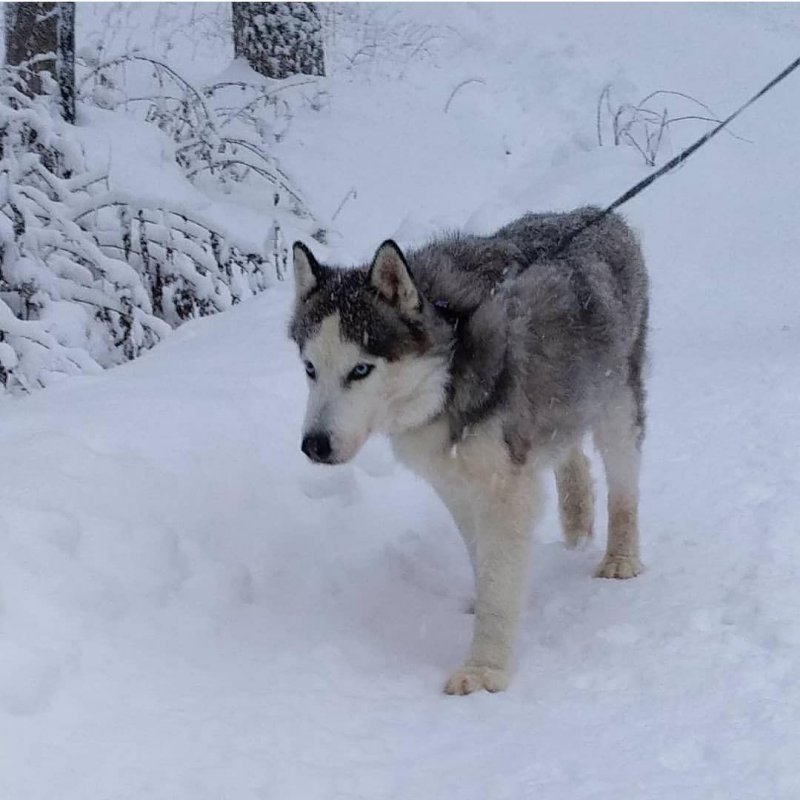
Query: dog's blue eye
[310,371]
[360,371]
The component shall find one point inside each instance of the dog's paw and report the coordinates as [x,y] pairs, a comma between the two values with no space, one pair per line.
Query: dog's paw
[473,677]
[622,567]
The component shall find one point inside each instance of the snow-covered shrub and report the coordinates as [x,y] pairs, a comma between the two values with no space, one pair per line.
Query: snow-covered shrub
[65,305]
[89,277]
[187,267]
[222,130]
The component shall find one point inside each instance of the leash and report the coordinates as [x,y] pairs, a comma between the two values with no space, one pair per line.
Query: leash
[679,159]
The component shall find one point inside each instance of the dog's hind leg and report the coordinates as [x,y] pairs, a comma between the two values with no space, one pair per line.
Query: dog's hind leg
[575,497]
[503,546]
[618,438]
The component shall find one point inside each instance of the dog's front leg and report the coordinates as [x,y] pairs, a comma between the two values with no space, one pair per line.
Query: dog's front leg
[502,553]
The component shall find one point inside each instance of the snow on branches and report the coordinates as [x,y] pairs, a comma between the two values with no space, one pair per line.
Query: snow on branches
[89,277]
[221,130]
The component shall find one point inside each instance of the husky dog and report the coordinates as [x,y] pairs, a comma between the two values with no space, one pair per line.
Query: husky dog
[486,359]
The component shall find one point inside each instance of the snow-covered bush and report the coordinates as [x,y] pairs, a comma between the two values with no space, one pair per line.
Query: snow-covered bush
[90,277]
[222,130]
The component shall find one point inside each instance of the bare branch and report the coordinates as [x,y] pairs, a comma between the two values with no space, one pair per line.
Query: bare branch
[460,86]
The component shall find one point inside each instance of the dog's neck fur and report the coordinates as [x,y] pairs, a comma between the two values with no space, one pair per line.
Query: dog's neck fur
[420,394]
[459,333]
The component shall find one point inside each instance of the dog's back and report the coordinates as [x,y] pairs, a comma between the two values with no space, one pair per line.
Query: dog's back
[549,337]
[604,263]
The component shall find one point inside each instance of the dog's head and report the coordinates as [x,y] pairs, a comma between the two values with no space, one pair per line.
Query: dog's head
[371,363]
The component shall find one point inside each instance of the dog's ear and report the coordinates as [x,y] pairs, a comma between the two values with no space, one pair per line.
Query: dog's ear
[389,274]
[307,271]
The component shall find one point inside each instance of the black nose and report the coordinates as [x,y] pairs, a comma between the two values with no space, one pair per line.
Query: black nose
[317,446]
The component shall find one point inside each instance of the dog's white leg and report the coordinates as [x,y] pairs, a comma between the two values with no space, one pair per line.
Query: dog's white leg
[618,439]
[503,547]
[575,497]
[463,513]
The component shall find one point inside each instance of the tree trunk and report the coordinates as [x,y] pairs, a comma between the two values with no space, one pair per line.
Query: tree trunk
[44,34]
[279,39]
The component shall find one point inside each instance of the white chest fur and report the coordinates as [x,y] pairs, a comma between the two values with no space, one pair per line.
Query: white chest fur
[480,456]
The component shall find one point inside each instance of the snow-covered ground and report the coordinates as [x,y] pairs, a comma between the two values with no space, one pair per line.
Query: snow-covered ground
[190,611]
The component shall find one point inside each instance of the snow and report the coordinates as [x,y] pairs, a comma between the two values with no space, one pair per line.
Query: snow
[190,610]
